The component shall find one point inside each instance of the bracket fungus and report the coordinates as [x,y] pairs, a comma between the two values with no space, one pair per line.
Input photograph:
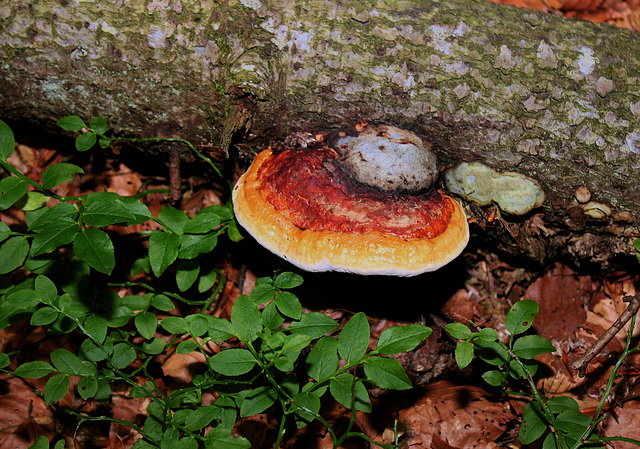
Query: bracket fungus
[360,205]
[514,193]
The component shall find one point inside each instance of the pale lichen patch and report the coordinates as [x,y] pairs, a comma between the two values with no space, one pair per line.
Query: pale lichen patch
[632,143]
[504,60]
[461,90]
[604,86]
[586,61]
[546,56]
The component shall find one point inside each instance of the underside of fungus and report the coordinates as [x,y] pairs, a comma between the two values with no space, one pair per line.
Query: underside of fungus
[307,207]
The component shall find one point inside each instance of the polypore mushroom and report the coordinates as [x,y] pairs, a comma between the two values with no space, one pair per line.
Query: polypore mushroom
[514,193]
[314,207]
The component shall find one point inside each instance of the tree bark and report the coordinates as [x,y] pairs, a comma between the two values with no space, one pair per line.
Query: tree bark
[519,90]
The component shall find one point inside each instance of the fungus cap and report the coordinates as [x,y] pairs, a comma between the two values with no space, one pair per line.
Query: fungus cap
[302,205]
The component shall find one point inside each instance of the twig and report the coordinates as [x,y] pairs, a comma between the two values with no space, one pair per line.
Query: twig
[580,364]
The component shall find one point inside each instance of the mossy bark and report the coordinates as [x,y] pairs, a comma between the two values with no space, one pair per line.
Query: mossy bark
[522,91]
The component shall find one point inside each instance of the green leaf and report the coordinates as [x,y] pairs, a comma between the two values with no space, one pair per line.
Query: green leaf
[287,280]
[224,213]
[146,324]
[293,344]
[41,442]
[7,141]
[11,190]
[354,338]
[494,378]
[163,251]
[162,302]
[233,232]
[271,317]
[246,318]
[173,219]
[175,325]
[55,388]
[520,317]
[66,362]
[306,406]
[154,346]
[91,352]
[222,438]
[170,439]
[136,303]
[488,334]
[61,210]
[534,425]
[87,387]
[198,324]
[202,224]
[119,316]
[229,411]
[342,390]
[386,373]
[561,404]
[491,352]
[517,371]
[58,233]
[207,279]
[96,326]
[257,400]
[262,293]
[105,208]
[13,253]
[323,359]
[186,347]
[186,274]
[56,174]
[104,142]
[219,329]
[232,362]
[47,288]
[5,232]
[123,355]
[398,339]
[44,316]
[71,123]
[4,360]
[464,353]
[314,324]
[572,422]
[137,208]
[32,201]
[95,248]
[86,141]
[98,125]
[202,416]
[530,346]
[34,370]
[459,331]
[288,304]
[191,246]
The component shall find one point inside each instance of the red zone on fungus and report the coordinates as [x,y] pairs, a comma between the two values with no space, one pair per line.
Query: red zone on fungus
[314,192]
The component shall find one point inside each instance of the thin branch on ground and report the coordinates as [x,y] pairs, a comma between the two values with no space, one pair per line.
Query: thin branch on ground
[580,364]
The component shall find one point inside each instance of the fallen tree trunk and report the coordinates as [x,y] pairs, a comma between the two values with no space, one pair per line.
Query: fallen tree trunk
[523,91]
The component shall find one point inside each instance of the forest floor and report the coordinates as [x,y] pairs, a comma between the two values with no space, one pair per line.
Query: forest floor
[447,408]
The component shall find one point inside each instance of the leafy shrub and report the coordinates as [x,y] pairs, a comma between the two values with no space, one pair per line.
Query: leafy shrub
[117,337]
[557,417]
